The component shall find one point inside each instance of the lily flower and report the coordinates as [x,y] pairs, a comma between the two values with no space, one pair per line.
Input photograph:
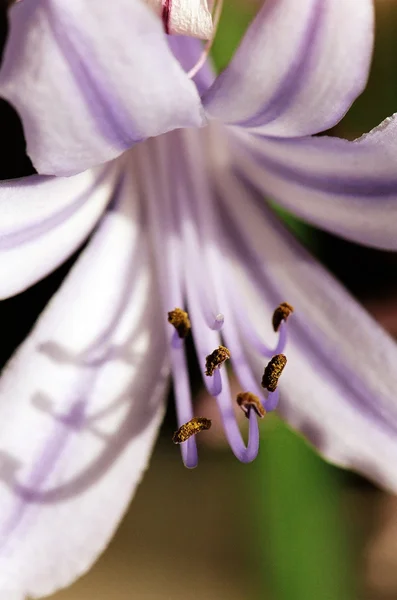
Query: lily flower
[167,174]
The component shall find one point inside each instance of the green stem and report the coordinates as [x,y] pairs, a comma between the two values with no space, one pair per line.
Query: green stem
[303,540]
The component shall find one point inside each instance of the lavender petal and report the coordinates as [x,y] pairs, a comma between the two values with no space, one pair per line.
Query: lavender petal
[349,188]
[298,69]
[80,405]
[90,82]
[43,220]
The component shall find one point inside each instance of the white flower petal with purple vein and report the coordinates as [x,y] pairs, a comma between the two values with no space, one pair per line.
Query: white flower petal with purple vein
[348,188]
[43,220]
[90,81]
[80,405]
[298,69]
[339,384]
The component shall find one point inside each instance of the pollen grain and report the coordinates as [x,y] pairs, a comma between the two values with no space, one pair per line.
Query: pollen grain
[281,313]
[248,400]
[273,371]
[180,320]
[216,359]
[190,428]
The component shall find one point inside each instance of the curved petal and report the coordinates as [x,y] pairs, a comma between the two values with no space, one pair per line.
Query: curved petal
[298,69]
[340,382]
[43,220]
[349,188]
[80,405]
[188,51]
[89,82]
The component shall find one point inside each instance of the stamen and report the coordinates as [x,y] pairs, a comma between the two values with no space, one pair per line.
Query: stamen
[271,402]
[218,322]
[273,371]
[248,400]
[216,359]
[190,428]
[180,320]
[281,314]
[218,5]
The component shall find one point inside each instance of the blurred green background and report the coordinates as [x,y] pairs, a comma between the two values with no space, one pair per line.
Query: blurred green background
[289,526]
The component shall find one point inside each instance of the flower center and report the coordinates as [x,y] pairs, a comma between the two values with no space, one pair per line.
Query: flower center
[253,405]
[194,18]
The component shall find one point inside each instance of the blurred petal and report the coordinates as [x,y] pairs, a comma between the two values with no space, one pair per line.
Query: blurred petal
[90,81]
[80,405]
[298,69]
[43,220]
[188,51]
[348,188]
[340,382]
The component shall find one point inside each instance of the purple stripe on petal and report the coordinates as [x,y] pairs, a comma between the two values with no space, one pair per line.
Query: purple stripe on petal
[365,186]
[36,230]
[298,68]
[52,452]
[112,119]
[295,78]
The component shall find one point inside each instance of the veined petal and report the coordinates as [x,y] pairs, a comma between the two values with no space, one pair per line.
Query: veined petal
[349,188]
[43,220]
[339,385]
[298,69]
[80,405]
[90,80]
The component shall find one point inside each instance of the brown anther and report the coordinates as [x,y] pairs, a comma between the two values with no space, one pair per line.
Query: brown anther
[273,371]
[190,428]
[248,400]
[281,313]
[216,359]
[180,320]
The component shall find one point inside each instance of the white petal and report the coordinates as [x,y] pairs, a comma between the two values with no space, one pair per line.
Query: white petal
[349,188]
[90,79]
[298,69]
[43,220]
[339,386]
[80,405]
